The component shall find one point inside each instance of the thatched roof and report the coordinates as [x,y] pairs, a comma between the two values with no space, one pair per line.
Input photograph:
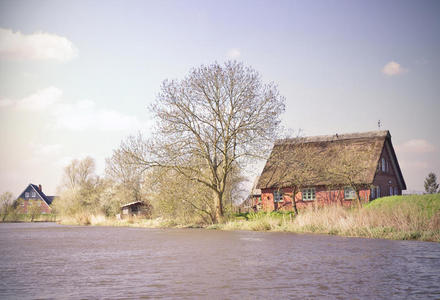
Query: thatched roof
[325,160]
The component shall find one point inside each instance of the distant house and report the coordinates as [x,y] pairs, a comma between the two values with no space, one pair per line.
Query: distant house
[136,208]
[33,196]
[324,170]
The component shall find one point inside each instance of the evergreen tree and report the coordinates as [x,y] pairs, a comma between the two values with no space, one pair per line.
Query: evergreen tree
[431,184]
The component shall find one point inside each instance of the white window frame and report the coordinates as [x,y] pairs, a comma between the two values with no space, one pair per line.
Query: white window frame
[308,194]
[278,196]
[349,193]
[26,195]
[33,194]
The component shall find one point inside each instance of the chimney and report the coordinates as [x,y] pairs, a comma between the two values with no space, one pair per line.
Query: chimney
[40,188]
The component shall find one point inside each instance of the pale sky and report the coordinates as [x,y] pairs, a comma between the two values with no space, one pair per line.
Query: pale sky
[76,77]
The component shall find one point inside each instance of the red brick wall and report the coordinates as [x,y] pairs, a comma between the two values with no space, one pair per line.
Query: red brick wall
[24,205]
[324,196]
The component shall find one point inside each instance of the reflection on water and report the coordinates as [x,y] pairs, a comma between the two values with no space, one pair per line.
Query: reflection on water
[46,260]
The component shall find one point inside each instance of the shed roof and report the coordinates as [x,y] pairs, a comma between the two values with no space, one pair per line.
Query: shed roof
[131,203]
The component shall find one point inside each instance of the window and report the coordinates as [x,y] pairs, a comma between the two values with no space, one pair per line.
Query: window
[395,190]
[349,193]
[391,190]
[277,196]
[373,192]
[308,194]
[34,194]
[383,165]
[378,191]
[26,195]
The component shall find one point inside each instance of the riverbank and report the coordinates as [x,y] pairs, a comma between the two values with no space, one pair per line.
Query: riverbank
[415,217]
[412,217]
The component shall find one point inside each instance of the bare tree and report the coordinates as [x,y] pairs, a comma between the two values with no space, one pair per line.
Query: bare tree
[34,209]
[79,172]
[209,123]
[6,204]
[81,190]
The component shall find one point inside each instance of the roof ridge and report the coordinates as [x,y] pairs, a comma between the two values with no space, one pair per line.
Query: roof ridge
[335,137]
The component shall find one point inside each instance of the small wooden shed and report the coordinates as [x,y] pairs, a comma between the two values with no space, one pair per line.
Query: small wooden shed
[137,208]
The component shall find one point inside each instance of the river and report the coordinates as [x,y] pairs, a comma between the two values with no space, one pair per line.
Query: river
[50,261]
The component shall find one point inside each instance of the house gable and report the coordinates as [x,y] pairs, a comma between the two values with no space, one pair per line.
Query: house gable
[33,192]
[395,164]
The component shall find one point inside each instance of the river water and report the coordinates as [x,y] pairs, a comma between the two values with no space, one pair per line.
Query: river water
[50,261]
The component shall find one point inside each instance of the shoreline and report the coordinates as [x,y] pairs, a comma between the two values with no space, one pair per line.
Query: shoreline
[415,217]
[231,226]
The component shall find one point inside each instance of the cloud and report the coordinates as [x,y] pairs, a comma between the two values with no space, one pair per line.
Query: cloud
[46,150]
[6,102]
[416,146]
[77,116]
[35,46]
[41,100]
[84,115]
[393,68]
[233,53]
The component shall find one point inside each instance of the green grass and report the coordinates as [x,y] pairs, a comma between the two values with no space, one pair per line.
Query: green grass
[429,204]
[28,218]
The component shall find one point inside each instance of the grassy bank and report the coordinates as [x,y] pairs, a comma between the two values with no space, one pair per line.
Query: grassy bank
[28,218]
[415,217]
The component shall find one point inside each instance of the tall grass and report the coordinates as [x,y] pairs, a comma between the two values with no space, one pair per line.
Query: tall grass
[398,217]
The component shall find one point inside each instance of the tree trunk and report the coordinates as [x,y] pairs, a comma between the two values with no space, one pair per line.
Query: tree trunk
[358,198]
[295,209]
[218,206]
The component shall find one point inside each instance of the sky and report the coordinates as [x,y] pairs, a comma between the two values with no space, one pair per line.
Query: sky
[77,77]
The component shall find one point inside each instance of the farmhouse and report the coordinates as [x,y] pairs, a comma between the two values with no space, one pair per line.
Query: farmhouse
[330,169]
[33,196]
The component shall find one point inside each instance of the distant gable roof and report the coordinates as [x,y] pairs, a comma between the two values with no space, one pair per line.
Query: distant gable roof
[41,195]
[288,156]
[48,199]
